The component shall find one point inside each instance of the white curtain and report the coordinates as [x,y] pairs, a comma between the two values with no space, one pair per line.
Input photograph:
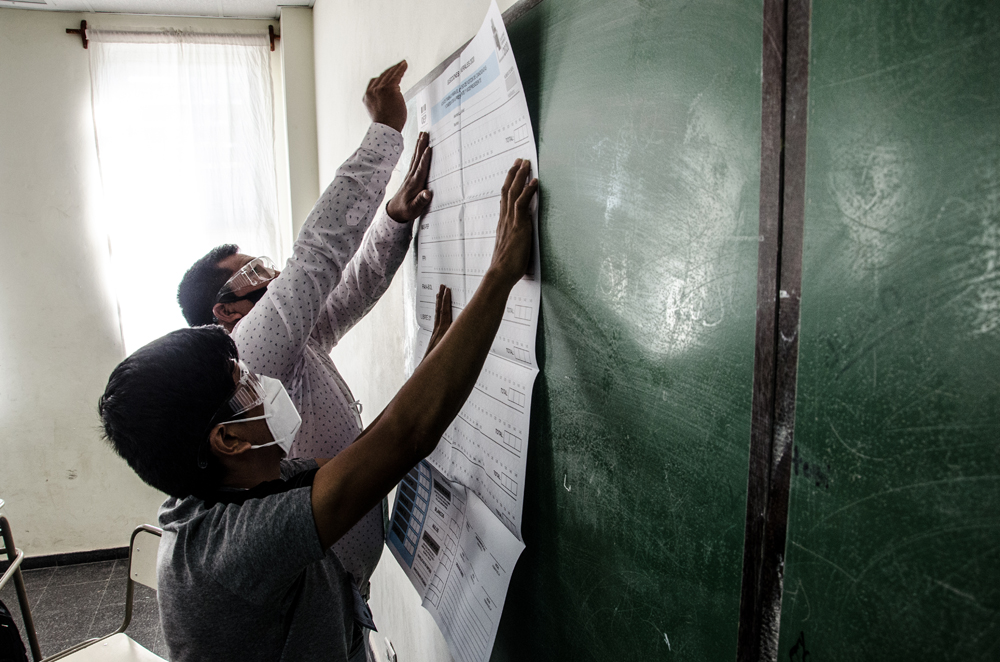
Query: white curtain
[185,140]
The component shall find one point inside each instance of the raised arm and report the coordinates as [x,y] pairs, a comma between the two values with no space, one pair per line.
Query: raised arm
[272,335]
[369,273]
[409,428]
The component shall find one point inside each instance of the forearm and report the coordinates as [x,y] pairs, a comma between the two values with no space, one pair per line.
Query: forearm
[364,280]
[272,335]
[411,425]
[435,393]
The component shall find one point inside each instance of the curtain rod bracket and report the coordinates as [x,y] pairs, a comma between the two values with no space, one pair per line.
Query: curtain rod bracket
[82,31]
[83,34]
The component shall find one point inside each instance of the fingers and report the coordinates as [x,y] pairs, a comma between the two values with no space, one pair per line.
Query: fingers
[524,199]
[396,73]
[388,78]
[423,139]
[437,304]
[517,184]
[391,76]
[421,202]
[442,311]
[446,306]
[505,189]
[423,165]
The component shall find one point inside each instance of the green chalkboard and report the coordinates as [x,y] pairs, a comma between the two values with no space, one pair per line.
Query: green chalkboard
[893,547]
[647,117]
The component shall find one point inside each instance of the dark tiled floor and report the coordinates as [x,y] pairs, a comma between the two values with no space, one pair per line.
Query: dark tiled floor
[72,603]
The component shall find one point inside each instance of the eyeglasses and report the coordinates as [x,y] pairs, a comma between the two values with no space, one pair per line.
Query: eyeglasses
[242,284]
[249,393]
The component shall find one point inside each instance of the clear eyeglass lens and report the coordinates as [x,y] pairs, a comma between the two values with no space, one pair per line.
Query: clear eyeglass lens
[250,276]
[249,392]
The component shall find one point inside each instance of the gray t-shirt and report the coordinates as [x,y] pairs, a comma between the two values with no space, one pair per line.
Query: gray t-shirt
[249,580]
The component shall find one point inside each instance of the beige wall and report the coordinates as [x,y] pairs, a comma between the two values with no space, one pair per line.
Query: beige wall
[355,41]
[59,337]
[299,78]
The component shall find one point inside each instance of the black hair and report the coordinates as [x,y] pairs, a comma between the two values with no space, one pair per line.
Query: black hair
[159,403]
[201,284]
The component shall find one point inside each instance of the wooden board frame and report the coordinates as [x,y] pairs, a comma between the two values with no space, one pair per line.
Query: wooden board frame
[784,108]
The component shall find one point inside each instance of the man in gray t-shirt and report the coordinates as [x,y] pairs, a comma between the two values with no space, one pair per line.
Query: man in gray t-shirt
[271,577]
[245,568]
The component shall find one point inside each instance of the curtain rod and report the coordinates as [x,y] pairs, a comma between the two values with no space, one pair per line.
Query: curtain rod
[82,31]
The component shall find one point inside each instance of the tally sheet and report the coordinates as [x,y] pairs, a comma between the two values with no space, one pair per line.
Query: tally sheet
[456,523]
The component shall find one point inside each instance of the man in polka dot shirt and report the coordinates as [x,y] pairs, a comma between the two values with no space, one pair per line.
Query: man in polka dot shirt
[336,274]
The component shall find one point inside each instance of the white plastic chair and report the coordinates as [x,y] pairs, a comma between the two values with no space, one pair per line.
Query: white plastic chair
[118,646]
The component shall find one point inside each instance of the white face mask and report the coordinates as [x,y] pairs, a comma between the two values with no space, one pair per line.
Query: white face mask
[282,419]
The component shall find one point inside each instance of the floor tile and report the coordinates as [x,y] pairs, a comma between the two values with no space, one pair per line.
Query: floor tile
[53,647]
[66,612]
[82,573]
[37,579]
[120,570]
[115,593]
[83,597]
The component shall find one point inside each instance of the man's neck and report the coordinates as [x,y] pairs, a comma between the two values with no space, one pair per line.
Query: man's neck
[245,475]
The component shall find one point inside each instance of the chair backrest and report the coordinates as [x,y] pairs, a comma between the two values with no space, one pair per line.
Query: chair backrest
[142,557]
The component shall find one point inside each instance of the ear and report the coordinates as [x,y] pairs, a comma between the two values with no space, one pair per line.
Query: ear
[226,441]
[226,313]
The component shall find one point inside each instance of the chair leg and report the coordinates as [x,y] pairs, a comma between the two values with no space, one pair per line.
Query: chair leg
[22,594]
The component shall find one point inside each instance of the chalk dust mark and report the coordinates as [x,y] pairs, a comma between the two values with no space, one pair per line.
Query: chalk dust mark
[954,590]
[869,184]
[800,587]
[987,285]
[874,367]
[903,488]
[934,56]
[825,560]
[667,639]
[855,452]
[893,548]
[568,488]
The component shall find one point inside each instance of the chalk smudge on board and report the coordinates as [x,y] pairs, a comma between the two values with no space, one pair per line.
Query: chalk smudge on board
[987,276]
[869,185]
[669,300]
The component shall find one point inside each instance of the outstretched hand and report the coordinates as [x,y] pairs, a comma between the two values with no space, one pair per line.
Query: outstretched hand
[384,100]
[514,230]
[442,317]
[413,197]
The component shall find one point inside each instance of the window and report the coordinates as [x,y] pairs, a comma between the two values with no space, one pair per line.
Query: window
[185,141]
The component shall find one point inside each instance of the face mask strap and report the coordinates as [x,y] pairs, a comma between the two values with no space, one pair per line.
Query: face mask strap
[246,420]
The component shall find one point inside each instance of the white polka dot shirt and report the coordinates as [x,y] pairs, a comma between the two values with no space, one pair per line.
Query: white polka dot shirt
[336,274]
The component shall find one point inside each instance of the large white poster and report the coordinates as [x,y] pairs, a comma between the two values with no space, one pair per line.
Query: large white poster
[459,551]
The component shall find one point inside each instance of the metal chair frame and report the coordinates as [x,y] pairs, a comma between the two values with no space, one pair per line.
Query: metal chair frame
[15,556]
[129,590]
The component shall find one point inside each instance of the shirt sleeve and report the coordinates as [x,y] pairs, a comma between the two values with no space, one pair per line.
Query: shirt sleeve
[364,280]
[291,466]
[272,336]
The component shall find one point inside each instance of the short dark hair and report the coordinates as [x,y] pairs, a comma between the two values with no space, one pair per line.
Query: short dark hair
[158,407]
[201,284]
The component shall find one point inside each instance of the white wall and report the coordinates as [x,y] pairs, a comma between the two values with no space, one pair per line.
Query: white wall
[355,41]
[59,336]
[299,78]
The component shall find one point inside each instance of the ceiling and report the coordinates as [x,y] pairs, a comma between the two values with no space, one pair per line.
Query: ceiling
[211,8]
